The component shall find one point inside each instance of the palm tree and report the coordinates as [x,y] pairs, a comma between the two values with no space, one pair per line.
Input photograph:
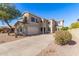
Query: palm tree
[8,12]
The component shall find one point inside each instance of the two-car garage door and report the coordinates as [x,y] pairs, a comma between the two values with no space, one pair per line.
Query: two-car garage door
[33,30]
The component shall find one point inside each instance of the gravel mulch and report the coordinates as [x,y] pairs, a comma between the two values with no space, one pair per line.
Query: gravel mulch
[71,49]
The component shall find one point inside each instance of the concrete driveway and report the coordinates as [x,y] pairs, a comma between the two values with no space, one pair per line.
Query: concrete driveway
[28,46]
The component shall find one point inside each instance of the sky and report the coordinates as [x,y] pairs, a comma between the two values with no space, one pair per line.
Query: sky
[69,12]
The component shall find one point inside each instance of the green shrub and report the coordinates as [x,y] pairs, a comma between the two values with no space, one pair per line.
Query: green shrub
[64,28]
[62,37]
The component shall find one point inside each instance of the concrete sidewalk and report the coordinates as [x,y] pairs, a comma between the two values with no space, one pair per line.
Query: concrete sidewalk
[28,46]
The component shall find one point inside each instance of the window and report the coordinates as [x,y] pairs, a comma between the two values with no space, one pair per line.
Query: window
[32,19]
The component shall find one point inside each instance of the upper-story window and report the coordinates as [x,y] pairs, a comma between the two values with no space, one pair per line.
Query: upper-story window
[33,19]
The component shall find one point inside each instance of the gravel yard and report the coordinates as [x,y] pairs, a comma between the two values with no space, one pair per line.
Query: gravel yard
[5,38]
[71,49]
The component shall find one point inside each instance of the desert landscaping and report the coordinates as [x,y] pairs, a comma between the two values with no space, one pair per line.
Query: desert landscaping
[71,49]
[31,45]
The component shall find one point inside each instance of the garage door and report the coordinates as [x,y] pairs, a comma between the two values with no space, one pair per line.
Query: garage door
[33,30]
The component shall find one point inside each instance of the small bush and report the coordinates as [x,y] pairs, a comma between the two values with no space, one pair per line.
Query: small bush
[62,37]
[64,28]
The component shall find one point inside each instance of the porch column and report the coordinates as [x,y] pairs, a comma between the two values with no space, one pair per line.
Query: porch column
[51,30]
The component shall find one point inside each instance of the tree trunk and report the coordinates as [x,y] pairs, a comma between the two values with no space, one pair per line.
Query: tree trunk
[9,26]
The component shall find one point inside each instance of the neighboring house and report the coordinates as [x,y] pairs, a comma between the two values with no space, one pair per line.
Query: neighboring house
[53,26]
[60,24]
[30,24]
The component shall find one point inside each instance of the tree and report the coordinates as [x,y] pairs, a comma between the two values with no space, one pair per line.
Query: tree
[75,25]
[8,12]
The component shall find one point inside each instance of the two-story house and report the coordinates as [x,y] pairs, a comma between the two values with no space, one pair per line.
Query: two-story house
[30,24]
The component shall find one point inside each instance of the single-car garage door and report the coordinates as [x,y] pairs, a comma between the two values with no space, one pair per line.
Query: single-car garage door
[33,30]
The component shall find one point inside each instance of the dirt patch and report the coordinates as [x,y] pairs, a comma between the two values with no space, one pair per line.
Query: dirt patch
[4,37]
